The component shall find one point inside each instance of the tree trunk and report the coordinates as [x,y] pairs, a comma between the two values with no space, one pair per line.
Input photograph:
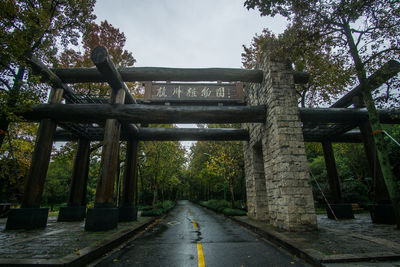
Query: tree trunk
[118,179]
[232,194]
[154,194]
[12,100]
[382,148]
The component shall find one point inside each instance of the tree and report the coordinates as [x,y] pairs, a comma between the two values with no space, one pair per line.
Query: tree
[58,179]
[225,163]
[15,160]
[160,165]
[329,75]
[99,35]
[214,165]
[33,28]
[368,32]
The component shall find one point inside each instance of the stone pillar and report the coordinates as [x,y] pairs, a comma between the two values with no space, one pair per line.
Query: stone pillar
[30,215]
[104,216]
[257,205]
[76,206]
[289,195]
[127,209]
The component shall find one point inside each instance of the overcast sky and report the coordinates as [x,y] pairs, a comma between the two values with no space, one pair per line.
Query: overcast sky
[186,33]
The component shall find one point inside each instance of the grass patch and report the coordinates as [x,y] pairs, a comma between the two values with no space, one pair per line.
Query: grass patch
[222,206]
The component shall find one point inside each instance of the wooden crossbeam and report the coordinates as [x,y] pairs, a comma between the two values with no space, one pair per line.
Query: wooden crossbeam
[350,137]
[147,114]
[131,74]
[168,134]
[324,115]
[192,114]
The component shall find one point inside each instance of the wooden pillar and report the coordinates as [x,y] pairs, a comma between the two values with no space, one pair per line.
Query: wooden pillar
[128,210]
[333,178]
[104,215]
[382,210]
[341,210]
[30,215]
[76,207]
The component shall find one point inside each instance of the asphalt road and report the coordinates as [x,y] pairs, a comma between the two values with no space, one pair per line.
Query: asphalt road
[194,236]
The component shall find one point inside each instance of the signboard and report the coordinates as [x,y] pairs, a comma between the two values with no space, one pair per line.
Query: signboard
[193,91]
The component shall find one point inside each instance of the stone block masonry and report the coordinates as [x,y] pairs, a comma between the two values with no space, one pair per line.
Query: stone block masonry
[275,159]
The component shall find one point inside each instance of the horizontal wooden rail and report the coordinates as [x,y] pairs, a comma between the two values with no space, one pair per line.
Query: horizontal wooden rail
[131,74]
[351,137]
[167,134]
[325,115]
[189,134]
[136,113]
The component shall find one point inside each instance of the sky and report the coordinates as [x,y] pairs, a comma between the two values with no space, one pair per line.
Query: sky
[186,33]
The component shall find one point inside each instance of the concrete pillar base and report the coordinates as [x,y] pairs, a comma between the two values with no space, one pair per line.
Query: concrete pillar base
[342,211]
[72,214]
[101,219]
[127,213]
[27,218]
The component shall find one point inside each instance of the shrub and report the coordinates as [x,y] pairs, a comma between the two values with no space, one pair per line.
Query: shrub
[160,208]
[354,191]
[234,212]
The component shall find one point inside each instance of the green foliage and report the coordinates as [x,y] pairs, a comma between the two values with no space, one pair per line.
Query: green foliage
[222,206]
[160,170]
[329,74]
[36,28]
[234,212]
[364,33]
[354,191]
[160,208]
[216,168]
[58,177]
[352,171]
[15,157]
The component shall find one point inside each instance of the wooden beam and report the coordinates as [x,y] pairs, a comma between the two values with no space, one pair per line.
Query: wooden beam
[188,134]
[131,74]
[333,177]
[386,72]
[147,114]
[39,68]
[40,158]
[109,155]
[130,173]
[168,134]
[108,71]
[346,115]
[351,137]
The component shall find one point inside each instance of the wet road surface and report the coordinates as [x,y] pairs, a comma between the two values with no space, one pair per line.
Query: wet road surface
[194,236]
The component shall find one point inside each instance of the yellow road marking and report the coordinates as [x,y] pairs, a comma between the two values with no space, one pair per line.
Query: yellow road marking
[194,224]
[200,255]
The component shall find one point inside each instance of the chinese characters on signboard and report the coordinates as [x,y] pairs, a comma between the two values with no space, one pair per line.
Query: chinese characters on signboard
[169,91]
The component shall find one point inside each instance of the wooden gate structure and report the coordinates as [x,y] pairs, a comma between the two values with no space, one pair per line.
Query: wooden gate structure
[122,117]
